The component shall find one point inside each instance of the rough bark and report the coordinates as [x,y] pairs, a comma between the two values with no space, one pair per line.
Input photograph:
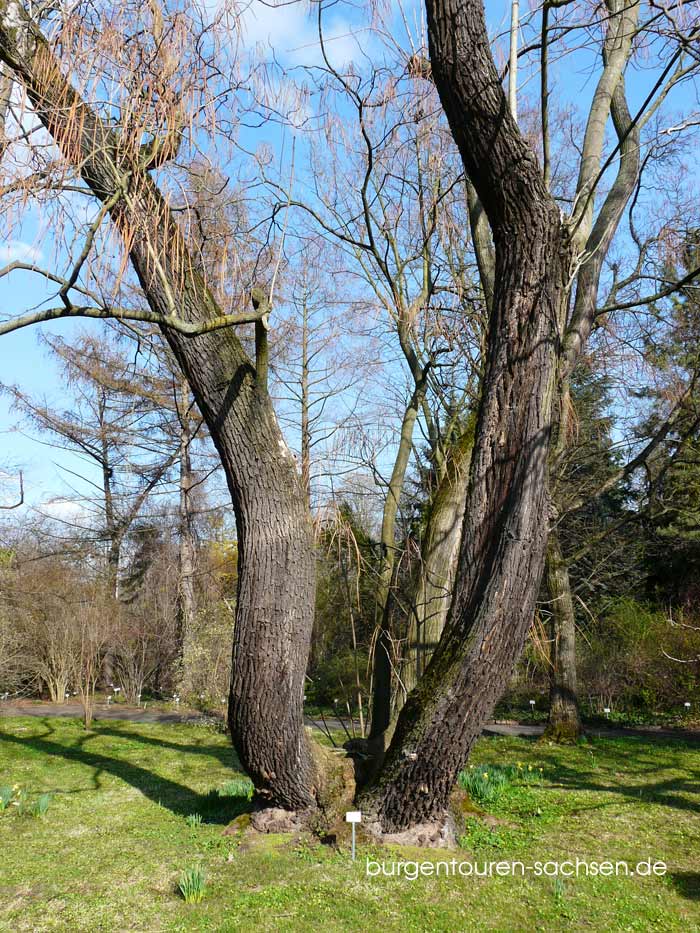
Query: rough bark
[276,560]
[505,526]
[564,721]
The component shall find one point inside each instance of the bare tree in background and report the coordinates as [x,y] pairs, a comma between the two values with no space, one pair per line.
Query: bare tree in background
[118,425]
[389,194]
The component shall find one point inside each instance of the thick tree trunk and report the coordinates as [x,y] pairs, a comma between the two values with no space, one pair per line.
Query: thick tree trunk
[505,527]
[438,562]
[276,557]
[564,722]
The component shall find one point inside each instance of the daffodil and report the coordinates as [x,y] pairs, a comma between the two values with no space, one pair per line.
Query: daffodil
[485,776]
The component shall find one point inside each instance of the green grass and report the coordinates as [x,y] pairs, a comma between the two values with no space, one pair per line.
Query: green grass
[111,851]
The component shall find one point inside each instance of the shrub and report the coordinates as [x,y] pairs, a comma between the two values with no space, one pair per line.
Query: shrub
[193,884]
[628,662]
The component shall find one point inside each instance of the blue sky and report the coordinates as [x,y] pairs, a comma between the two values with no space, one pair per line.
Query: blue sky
[292,34]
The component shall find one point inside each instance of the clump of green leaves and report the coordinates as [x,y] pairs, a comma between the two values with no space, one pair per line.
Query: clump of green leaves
[40,805]
[20,798]
[480,836]
[22,802]
[6,795]
[238,787]
[485,784]
[193,820]
[193,884]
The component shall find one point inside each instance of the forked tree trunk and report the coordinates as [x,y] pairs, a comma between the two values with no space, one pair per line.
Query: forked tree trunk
[505,527]
[438,562]
[564,722]
[276,558]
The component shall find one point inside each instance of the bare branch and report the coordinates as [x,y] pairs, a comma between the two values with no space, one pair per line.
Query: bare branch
[21,496]
[187,328]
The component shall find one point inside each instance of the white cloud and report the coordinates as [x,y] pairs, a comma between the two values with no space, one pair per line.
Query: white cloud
[280,27]
[291,32]
[17,251]
[66,510]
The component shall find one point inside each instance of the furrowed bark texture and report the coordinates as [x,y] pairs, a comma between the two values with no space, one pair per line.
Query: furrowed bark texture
[276,560]
[564,722]
[505,525]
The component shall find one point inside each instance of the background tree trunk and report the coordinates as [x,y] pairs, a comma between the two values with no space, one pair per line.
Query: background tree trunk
[383,659]
[564,722]
[438,562]
[187,543]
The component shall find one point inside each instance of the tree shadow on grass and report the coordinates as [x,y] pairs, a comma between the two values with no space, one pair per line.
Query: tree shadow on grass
[223,753]
[646,788]
[178,798]
[643,759]
[687,883]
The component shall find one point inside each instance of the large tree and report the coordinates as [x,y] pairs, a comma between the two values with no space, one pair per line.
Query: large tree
[276,573]
[533,340]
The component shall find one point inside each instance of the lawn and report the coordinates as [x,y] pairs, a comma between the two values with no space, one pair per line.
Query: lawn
[109,851]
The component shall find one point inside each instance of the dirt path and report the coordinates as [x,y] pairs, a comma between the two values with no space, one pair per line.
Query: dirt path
[136,714]
[102,711]
[600,732]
